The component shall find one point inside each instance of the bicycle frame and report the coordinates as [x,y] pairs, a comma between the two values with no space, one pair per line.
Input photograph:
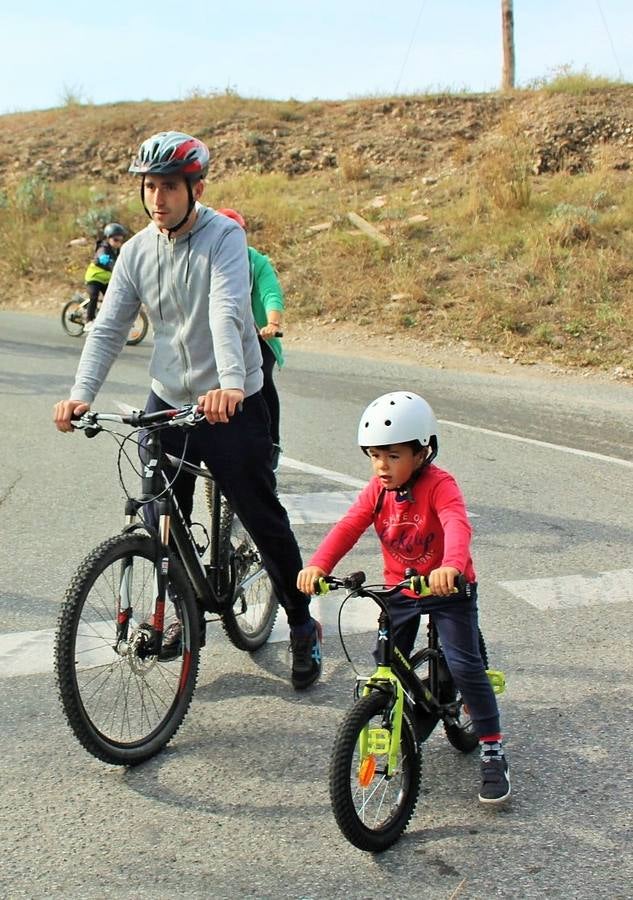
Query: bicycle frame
[395,674]
[206,581]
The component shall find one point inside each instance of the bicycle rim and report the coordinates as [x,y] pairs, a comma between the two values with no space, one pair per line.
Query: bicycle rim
[138,330]
[123,708]
[72,318]
[371,808]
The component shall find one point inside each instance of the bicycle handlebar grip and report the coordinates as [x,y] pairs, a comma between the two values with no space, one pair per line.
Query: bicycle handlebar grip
[321,586]
[418,584]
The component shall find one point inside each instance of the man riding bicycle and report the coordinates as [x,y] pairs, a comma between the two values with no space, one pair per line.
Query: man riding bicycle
[189,267]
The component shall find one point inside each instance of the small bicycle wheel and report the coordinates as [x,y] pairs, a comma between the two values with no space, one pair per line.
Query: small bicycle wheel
[73,316]
[461,733]
[371,808]
[123,702]
[249,619]
[138,329]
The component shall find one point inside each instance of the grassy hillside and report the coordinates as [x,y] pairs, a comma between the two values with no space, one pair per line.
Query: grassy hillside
[504,221]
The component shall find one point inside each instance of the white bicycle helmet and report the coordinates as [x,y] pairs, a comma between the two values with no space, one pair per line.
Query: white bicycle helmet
[396,418]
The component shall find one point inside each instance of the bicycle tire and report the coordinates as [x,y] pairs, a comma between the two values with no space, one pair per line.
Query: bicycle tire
[123,708]
[462,735]
[70,326]
[365,815]
[249,619]
[139,329]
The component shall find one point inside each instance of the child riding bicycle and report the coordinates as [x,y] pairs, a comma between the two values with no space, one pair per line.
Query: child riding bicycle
[420,518]
[99,271]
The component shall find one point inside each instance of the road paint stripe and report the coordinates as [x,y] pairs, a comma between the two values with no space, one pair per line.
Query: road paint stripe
[572,591]
[545,444]
[324,473]
[320,507]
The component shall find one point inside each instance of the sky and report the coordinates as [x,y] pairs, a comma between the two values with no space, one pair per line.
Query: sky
[302,49]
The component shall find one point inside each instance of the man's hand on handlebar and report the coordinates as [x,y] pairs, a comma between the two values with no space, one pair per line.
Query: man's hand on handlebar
[307,577]
[67,410]
[441,581]
[220,404]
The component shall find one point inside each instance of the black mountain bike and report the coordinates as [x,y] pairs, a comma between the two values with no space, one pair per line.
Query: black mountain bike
[375,766]
[125,689]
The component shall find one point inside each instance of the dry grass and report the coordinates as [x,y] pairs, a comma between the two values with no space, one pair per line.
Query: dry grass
[538,267]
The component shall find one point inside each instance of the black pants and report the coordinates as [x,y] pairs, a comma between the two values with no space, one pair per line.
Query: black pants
[238,455]
[269,391]
[93,289]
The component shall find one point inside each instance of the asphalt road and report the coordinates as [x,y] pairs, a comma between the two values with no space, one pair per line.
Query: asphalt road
[237,806]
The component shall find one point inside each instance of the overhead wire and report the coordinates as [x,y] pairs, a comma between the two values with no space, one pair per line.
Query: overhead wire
[606,28]
[413,34]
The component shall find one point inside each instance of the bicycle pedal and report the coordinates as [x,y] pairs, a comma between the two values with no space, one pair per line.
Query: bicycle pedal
[497,679]
[378,741]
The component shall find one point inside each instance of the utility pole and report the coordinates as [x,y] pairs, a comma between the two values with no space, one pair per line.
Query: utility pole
[507,25]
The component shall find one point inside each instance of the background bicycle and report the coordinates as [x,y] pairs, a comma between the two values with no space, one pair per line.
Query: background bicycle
[133,618]
[375,765]
[74,319]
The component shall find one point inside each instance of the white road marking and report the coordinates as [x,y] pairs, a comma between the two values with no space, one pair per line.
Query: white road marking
[535,443]
[571,591]
[320,507]
[324,473]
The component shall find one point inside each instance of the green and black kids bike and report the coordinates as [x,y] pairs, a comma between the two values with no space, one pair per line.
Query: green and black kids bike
[375,766]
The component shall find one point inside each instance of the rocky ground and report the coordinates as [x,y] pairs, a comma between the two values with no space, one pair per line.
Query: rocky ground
[403,136]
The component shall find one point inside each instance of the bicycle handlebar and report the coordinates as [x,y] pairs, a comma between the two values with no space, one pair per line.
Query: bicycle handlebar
[90,422]
[417,584]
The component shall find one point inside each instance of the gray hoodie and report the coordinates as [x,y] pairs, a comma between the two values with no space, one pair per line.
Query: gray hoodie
[196,291]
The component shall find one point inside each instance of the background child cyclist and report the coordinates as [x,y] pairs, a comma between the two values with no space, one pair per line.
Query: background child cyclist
[99,271]
[420,518]
[267,301]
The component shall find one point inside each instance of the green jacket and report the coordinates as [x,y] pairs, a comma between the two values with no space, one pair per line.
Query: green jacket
[266,295]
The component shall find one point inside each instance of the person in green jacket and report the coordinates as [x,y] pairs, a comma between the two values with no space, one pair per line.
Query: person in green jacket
[267,301]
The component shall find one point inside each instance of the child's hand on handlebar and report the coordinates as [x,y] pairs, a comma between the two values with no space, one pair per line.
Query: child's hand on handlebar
[67,410]
[442,580]
[307,578]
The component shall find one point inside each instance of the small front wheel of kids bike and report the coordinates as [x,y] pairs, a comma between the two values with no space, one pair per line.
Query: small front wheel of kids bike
[123,701]
[139,329]
[74,315]
[371,806]
[249,616]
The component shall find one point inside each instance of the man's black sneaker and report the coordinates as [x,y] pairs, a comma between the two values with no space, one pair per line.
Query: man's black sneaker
[306,656]
[172,640]
[495,774]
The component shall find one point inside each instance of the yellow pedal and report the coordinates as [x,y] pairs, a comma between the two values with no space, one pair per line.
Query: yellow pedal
[378,741]
[497,680]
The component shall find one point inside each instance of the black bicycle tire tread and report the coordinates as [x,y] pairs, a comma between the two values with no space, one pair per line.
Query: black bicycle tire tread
[229,620]
[339,778]
[63,671]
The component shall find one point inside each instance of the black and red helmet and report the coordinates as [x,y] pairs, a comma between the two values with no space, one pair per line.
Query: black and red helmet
[172,153]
